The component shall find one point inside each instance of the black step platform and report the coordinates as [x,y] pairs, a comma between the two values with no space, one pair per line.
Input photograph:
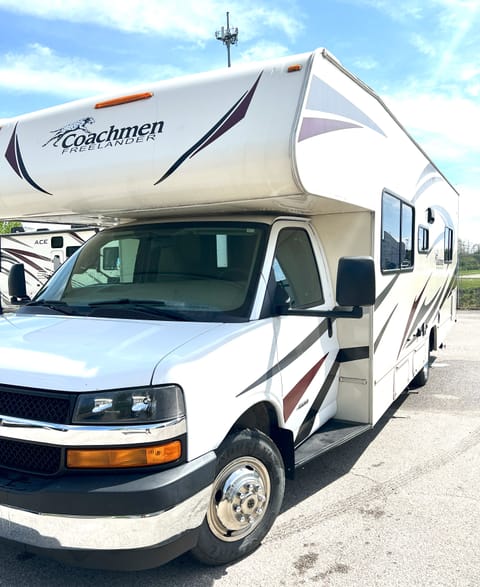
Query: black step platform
[330,435]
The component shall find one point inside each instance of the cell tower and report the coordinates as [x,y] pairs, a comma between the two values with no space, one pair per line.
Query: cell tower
[228,36]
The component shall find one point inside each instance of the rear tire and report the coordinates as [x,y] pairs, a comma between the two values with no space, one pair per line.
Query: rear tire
[247,494]
[421,377]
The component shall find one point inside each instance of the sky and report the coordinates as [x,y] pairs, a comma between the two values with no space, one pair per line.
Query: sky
[421,56]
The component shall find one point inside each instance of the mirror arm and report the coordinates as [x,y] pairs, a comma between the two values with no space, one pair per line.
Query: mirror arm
[337,312]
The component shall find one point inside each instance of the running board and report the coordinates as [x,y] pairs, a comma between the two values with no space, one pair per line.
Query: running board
[330,435]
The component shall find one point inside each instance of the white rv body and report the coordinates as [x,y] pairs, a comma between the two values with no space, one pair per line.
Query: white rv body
[235,195]
[41,252]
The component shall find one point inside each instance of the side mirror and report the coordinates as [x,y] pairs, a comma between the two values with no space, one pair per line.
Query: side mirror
[355,281]
[17,289]
[355,289]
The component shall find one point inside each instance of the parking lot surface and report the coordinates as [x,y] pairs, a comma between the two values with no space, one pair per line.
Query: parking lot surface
[398,506]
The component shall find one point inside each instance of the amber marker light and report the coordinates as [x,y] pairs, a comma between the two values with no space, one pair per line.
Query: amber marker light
[292,68]
[121,458]
[123,100]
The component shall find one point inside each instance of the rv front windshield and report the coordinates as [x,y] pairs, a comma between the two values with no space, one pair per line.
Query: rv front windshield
[204,270]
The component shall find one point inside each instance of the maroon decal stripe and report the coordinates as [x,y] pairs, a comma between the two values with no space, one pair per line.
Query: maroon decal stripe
[26,257]
[15,159]
[292,356]
[10,153]
[307,425]
[291,400]
[26,175]
[28,254]
[416,301]
[230,119]
[237,115]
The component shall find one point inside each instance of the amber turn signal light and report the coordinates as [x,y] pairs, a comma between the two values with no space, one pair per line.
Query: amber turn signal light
[120,458]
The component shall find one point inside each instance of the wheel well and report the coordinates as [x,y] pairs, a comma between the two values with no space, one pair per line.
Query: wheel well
[262,416]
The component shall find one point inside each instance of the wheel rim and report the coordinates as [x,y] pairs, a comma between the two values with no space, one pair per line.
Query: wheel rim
[240,497]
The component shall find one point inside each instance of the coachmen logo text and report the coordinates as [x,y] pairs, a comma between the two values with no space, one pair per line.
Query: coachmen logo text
[76,137]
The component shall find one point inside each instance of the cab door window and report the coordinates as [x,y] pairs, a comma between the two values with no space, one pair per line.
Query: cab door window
[295,269]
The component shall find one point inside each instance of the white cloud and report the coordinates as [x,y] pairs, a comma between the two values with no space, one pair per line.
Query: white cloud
[469,71]
[365,63]
[133,15]
[453,121]
[192,19]
[190,24]
[456,15]
[263,50]
[41,70]
[451,14]
[426,47]
[469,223]
[447,128]
[401,10]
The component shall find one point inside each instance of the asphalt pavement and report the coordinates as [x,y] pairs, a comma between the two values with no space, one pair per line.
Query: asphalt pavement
[398,506]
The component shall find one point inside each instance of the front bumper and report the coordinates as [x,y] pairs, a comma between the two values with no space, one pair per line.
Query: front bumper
[120,521]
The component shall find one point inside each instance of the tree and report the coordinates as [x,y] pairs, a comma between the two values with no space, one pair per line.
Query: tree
[467,247]
[6,227]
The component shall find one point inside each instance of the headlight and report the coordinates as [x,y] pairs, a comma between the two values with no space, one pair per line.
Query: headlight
[130,406]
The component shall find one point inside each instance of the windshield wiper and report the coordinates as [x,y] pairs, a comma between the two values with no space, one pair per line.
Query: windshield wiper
[147,307]
[55,305]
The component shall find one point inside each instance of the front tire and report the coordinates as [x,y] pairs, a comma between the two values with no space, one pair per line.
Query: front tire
[247,494]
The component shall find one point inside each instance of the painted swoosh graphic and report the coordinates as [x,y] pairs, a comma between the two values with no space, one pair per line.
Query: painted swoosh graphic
[306,343]
[236,113]
[312,127]
[27,257]
[14,157]
[307,425]
[413,310]
[324,99]
[291,400]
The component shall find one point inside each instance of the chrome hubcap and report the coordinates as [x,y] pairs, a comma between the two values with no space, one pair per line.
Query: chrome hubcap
[239,500]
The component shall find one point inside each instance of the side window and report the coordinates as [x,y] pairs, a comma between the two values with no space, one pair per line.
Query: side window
[423,239]
[397,234]
[56,242]
[295,269]
[71,249]
[448,245]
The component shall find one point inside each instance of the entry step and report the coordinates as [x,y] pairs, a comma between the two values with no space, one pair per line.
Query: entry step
[330,435]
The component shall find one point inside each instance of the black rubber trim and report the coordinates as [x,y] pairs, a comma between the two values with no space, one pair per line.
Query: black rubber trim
[353,354]
[107,494]
[119,560]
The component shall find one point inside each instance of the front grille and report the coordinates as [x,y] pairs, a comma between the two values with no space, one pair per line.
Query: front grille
[40,406]
[30,458]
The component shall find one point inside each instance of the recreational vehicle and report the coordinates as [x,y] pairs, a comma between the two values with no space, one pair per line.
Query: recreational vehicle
[40,251]
[280,266]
